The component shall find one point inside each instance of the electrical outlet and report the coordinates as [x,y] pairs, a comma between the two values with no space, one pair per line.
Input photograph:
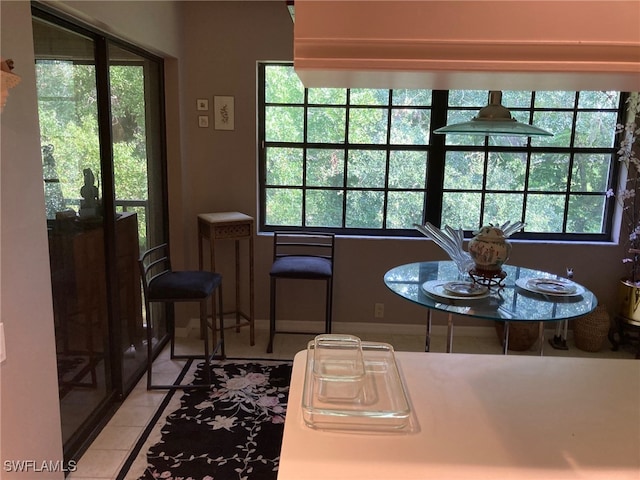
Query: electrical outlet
[378,310]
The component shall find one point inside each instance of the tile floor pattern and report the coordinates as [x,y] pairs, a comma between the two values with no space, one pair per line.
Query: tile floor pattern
[108,452]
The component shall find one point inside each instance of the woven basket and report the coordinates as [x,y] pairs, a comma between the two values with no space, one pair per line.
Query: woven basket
[591,330]
[522,335]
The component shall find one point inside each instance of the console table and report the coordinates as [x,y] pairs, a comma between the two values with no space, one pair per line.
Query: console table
[78,283]
[230,226]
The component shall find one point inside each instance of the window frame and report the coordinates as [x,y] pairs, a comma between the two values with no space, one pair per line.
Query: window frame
[436,151]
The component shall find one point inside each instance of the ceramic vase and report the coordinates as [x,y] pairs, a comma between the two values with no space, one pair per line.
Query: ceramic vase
[629,302]
[489,249]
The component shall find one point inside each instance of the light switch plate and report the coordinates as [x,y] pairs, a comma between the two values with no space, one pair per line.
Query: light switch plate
[3,350]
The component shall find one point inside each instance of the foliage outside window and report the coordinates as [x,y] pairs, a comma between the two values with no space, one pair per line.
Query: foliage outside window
[67,111]
[365,161]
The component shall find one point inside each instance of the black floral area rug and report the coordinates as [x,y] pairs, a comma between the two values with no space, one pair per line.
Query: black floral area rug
[232,431]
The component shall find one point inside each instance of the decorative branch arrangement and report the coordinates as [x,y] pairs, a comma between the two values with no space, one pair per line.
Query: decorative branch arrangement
[627,196]
[452,241]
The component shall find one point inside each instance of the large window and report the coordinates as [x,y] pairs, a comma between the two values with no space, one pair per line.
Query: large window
[366,161]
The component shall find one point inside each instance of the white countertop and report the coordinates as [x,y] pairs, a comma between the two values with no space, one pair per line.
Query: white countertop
[485,417]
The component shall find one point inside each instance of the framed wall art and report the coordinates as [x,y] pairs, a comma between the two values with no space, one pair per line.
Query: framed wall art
[223,113]
[202,104]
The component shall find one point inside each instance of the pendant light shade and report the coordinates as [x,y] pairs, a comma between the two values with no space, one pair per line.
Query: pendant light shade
[493,120]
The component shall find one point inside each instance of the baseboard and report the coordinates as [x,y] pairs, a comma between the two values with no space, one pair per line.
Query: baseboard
[357,328]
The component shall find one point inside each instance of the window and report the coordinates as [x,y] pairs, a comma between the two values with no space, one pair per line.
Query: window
[365,161]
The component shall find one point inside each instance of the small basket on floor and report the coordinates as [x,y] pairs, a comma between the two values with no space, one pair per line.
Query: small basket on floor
[591,330]
[522,335]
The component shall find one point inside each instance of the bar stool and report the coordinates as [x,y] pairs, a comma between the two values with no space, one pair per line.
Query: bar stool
[161,284]
[301,256]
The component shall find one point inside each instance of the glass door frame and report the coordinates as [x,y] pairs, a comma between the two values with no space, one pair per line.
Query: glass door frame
[117,386]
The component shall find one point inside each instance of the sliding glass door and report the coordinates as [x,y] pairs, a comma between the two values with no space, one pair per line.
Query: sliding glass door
[136,115]
[101,114]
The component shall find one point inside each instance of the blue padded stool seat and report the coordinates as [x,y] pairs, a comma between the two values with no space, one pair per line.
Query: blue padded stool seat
[301,267]
[184,284]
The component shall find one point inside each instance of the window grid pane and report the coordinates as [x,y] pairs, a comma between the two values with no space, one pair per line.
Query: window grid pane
[363,166]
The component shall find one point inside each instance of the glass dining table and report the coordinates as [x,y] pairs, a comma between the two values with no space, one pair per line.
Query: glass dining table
[517,299]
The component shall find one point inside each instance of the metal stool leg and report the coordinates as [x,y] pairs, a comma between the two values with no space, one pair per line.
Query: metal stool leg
[272,315]
[221,341]
[149,346]
[203,327]
[328,306]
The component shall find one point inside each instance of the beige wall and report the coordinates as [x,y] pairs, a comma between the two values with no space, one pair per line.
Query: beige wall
[29,406]
[212,170]
[209,170]
[30,420]
[153,25]
[222,44]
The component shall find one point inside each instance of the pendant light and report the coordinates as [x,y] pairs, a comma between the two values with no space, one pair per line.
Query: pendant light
[494,120]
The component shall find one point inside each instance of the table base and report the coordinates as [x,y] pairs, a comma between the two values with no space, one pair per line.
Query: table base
[505,340]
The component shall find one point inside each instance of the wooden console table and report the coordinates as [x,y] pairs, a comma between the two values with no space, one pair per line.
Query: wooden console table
[230,226]
[79,283]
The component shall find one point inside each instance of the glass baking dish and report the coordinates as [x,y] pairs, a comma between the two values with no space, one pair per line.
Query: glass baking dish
[380,404]
[338,367]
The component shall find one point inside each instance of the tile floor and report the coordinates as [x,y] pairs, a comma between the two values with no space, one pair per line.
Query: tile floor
[108,452]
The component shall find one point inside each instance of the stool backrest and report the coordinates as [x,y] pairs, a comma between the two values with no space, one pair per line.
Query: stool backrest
[154,263]
[310,244]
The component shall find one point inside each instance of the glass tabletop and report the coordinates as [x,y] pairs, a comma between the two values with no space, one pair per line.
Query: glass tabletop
[422,283]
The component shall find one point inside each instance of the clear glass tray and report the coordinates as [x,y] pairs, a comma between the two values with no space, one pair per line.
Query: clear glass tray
[380,404]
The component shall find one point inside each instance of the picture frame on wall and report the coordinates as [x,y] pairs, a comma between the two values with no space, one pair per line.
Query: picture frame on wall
[223,111]
[202,104]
